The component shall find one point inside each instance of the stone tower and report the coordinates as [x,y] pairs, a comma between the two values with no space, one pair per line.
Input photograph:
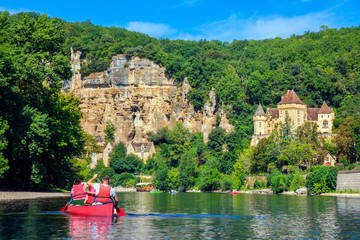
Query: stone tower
[259,121]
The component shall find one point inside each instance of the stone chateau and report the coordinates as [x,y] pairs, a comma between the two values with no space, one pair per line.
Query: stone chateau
[299,113]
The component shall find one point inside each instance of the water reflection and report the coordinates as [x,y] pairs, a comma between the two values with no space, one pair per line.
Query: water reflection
[85,227]
[189,216]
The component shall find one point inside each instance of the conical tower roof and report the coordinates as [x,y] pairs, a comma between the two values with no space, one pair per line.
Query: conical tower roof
[290,97]
[325,109]
[259,111]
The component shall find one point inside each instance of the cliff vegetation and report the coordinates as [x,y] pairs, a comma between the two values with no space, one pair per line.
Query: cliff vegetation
[40,133]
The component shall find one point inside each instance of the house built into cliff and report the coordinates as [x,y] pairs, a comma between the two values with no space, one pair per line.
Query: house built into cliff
[143,149]
[298,112]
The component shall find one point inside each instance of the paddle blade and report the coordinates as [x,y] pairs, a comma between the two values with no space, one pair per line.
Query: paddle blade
[120,212]
[63,209]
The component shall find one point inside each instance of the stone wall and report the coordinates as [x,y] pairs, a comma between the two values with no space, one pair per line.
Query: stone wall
[347,180]
[136,95]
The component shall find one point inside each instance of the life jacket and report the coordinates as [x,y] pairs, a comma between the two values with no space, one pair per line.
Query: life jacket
[91,196]
[104,194]
[78,192]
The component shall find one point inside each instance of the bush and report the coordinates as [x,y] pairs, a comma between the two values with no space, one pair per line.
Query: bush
[272,175]
[226,182]
[107,171]
[344,161]
[238,181]
[296,180]
[321,179]
[279,183]
[122,179]
[259,184]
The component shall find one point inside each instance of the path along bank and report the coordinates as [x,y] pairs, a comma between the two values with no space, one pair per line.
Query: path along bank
[14,195]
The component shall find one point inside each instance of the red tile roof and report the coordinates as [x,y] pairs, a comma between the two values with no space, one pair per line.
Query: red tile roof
[325,109]
[290,97]
[313,114]
[273,112]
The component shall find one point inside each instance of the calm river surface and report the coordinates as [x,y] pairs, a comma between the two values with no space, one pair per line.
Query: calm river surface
[189,216]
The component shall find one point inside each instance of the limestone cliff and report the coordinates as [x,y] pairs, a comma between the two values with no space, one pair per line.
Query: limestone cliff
[137,97]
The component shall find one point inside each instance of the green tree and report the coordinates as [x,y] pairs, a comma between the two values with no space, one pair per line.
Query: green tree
[296,154]
[347,139]
[161,175]
[109,132]
[3,143]
[217,138]
[187,169]
[209,175]
[173,178]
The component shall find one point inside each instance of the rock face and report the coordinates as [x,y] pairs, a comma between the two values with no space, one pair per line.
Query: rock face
[137,97]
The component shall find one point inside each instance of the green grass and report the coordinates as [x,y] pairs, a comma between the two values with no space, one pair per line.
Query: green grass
[346,191]
[57,190]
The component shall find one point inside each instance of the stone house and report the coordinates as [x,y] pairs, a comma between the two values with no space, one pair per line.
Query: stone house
[299,113]
[329,160]
[143,149]
[105,155]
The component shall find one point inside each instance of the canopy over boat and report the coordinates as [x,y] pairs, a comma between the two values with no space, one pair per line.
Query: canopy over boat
[143,184]
[144,187]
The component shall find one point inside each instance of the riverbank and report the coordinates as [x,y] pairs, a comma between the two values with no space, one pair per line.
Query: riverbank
[4,195]
[341,194]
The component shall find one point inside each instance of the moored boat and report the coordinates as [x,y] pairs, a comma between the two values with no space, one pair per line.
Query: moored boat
[156,191]
[103,210]
[144,187]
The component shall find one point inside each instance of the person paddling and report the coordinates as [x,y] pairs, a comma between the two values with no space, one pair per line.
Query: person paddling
[78,192]
[103,191]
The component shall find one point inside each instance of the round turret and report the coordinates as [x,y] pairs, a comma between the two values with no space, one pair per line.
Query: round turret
[259,119]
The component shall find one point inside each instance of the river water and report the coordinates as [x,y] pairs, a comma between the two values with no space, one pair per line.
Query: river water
[189,216]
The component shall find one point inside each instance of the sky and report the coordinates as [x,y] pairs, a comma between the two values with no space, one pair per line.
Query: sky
[223,20]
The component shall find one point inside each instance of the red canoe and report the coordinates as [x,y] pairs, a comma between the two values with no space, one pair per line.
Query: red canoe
[103,210]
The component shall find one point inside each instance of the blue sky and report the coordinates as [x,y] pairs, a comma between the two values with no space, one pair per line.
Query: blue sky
[200,19]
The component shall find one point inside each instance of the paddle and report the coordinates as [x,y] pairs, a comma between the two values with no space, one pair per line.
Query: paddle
[63,209]
[120,212]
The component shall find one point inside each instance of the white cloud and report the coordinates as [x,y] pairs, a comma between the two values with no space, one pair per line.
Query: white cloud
[188,2]
[158,30]
[13,11]
[258,28]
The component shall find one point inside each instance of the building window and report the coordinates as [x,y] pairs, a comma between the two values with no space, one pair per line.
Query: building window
[321,116]
[286,112]
[259,124]
[298,120]
[298,112]
[268,131]
[268,124]
[325,124]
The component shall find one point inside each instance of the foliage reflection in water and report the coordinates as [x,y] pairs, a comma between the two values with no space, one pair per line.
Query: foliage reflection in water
[191,216]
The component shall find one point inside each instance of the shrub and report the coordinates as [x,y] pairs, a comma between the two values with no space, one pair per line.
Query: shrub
[322,186]
[321,179]
[130,183]
[259,184]
[279,183]
[238,181]
[226,182]
[122,179]
[344,161]
[272,175]
[296,180]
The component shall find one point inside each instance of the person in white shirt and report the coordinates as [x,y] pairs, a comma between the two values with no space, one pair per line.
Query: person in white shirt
[103,191]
